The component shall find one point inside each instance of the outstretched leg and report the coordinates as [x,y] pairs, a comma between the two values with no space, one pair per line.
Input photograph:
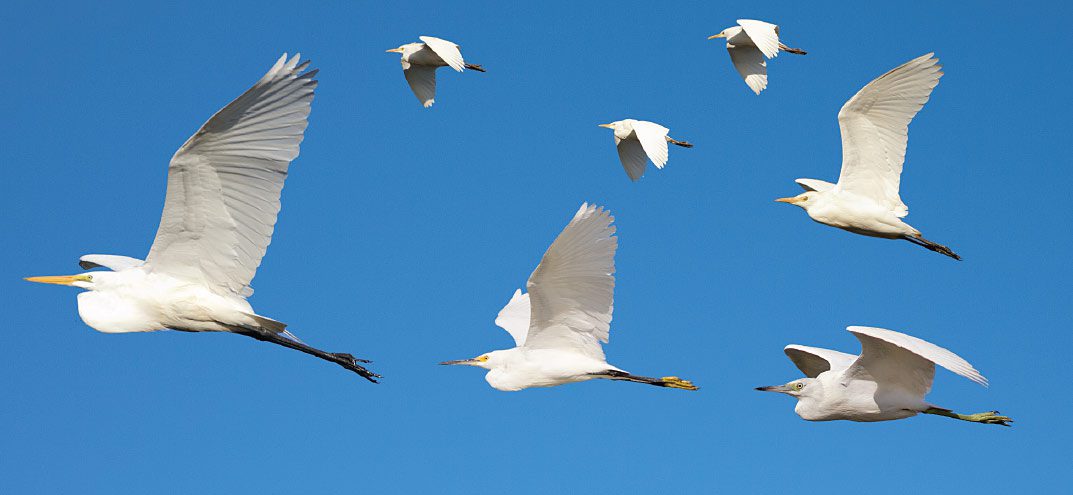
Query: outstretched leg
[667,381]
[989,417]
[933,246]
[796,51]
[475,67]
[679,143]
[341,358]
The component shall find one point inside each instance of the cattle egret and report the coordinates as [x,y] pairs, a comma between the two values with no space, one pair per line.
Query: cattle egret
[420,61]
[559,324]
[223,196]
[887,381]
[748,44]
[639,141]
[875,126]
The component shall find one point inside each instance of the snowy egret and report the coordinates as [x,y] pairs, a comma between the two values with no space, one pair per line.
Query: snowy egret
[748,43]
[559,324]
[887,381]
[639,141]
[875,126]
[420,61]
[222,199]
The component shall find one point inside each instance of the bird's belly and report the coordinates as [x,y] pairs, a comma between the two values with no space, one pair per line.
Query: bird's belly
[863,224]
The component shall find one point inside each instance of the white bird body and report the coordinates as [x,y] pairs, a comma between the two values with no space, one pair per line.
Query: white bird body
[887,381]
[875,129]
[420,61]
[639,141]
[222,200]
[559,324]
[748,44]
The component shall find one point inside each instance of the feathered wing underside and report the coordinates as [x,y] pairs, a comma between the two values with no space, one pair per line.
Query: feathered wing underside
[895,359]
[764,35]
[632,155]
[448,51]
[653,139]
[514,317]
[815,360]
[422,80]
[814,184]
[750,63]
[875,130]
[572,289]
[109,261]
[224,183]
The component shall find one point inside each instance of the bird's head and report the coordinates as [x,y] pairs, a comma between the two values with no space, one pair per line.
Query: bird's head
[722,34]
[804,387]
[82,281]
[803,200]
[487,361]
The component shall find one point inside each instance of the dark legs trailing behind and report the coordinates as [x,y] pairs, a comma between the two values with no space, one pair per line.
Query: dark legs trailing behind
[341,358]
[932,246]
[667,381]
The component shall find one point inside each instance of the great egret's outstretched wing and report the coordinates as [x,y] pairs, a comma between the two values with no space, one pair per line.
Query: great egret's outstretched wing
[632,155]
[572,289]
[514,317]
[814,360]
[750,64]
[109,261]
[875,128]
[422,79]
[448,51]
[653,138]
[814,184]
[224,182]
[764,35]
[896,360]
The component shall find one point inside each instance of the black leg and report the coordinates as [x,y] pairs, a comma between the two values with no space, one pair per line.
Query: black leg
[341,358]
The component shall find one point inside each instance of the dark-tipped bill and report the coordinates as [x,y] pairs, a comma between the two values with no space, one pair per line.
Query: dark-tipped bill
[774,388]
[461,361]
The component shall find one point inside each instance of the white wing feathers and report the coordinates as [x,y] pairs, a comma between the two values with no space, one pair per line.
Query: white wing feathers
[814,184]
[875,129]
[448,51]
[572,289]
[224,182]
[653,138]
[514,317]
[764,35]
[750,63]
[894,358]
[109,261]
[815,360]
[422,80]
[633,157]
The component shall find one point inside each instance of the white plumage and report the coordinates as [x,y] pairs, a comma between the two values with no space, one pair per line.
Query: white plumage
[748,44]
[639,141]
[420,61]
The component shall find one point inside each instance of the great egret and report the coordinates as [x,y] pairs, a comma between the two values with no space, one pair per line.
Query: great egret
[887,381]
[223,196]
[559,324]
[420,61]
[875,127]
[748,44]
[638,141]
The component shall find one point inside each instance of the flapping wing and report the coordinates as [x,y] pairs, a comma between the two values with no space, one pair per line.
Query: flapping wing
[448,51]
[514,317]
[632,155]
[814,184]
[764,35]
[814,360]
[895,359]
[875,128]
[109,261]
[422,79]
[572,290]
[653,138]
[750,64]
[224,182]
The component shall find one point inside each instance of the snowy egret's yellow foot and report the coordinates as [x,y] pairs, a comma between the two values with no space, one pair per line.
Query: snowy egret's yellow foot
[675,382]
[989,417]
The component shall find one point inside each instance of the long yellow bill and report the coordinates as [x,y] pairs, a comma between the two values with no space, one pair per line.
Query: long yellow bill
[59,279]
[394,50]
[787,200]
[714,36]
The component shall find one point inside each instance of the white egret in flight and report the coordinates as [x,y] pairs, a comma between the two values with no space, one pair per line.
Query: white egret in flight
[638,141]
[887,381]
[875,128]
[420,61]
[222,199]
[559,324]
[748,44]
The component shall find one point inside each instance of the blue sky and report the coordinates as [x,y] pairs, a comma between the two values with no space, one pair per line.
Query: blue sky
[404,231]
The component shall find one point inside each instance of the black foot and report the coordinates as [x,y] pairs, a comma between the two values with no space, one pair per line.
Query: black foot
[475,67]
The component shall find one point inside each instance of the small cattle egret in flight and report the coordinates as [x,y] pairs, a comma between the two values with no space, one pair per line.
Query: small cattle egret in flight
[559,324]
[748,44]
[222,199]
[875,128]
[420,61]
[887,381]
[639,141]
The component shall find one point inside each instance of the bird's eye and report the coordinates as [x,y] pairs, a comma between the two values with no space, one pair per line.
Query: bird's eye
[799,386]
[483,358]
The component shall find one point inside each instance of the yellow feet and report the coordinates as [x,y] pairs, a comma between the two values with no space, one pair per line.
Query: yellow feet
[675,382]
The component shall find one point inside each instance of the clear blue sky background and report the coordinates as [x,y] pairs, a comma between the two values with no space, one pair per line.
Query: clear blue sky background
[404,231]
